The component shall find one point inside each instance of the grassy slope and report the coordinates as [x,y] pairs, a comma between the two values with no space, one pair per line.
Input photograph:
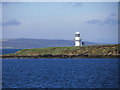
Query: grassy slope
[86,50]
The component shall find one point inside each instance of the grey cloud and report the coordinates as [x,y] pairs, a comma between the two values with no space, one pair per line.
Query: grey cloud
[94,21]
[76,4]
[11,22]
[9,3]
[4,3]
[112,19]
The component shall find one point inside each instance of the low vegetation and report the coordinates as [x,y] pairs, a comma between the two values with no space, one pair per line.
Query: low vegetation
[80,50]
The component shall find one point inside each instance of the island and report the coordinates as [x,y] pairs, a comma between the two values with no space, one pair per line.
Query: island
[93,51]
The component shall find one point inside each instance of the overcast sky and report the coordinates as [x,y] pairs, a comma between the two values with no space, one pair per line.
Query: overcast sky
[96,22]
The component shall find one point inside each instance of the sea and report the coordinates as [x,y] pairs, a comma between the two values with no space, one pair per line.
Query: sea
[59,73]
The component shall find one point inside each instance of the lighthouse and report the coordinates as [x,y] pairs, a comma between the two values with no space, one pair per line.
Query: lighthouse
[77,39]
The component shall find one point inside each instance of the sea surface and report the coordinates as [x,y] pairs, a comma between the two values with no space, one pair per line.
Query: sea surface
[60,73]
[8,51]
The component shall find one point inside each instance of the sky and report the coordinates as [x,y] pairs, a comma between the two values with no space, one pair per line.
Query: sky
[96,21]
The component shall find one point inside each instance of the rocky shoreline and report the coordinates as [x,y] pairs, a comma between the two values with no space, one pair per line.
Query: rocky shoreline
[57,56]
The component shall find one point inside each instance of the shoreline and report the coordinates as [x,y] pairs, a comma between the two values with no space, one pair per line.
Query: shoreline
[57,56]
[95,51]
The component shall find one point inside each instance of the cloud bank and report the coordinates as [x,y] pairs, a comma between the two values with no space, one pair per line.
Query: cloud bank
[11,22]
[76,4]
[112,19]
[94,21]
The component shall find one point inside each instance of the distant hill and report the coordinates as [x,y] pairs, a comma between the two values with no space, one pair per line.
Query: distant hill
[38,43]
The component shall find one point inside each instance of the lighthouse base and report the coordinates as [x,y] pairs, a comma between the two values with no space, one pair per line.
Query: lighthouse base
[77,43]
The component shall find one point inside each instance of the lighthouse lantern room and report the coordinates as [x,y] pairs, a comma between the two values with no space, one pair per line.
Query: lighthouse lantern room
[77,39]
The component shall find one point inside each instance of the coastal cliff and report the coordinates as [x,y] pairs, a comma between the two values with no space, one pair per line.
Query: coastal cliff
[95,51]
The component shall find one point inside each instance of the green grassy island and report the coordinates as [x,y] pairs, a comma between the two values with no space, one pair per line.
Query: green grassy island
[94,51]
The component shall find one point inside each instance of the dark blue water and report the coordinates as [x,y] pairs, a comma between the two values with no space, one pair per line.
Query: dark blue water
[58,73]
[8,51]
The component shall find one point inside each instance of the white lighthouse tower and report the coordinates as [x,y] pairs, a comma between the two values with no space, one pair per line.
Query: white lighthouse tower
[77,39]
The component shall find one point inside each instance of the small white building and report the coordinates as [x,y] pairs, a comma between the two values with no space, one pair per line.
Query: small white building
[77,39]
